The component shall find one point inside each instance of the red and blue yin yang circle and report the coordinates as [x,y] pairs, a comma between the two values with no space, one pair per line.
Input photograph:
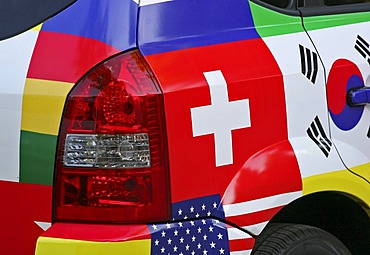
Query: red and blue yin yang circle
[344,76]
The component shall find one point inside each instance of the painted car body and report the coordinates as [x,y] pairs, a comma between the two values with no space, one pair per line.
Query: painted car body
[255,108]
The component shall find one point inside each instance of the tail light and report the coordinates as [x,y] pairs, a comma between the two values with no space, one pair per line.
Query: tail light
[111,163]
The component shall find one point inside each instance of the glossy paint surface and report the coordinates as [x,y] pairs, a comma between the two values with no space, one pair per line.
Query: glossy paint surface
[207,56]
[348,67]
[183,24]
[40,67]
[252,75]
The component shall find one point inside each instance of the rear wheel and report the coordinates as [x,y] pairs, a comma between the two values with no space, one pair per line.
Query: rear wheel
[292,239]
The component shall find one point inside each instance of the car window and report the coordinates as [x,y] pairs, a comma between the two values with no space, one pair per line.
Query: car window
[323,7]
[17,16]
[343,2]
[280,4]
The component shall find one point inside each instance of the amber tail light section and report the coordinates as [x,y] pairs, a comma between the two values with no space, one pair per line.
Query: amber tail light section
[111,162]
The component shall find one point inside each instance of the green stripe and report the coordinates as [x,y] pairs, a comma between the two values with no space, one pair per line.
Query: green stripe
[37,158]
[270,23]
[327,21]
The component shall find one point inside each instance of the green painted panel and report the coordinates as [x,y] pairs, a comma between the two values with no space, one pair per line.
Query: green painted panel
[270,23]
[37,158]
[327,21]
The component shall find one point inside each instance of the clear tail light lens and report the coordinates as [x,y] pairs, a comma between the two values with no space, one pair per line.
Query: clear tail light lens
[112,156]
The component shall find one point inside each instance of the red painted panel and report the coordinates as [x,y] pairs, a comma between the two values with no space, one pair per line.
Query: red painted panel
[270,172]
[254,218]
[64,57]
[21,205]
[98,233]
[251,72]
[241,244]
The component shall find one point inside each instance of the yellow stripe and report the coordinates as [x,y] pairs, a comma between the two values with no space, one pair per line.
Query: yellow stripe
[37,28]
[57,246]
[363,170]
[43,103]
[342,181]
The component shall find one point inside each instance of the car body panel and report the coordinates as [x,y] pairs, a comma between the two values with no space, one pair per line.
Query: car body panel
[348,67]
[247,121]
[180,236]
[42,65]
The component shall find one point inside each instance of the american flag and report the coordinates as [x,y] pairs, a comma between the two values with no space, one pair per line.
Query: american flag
[192,233]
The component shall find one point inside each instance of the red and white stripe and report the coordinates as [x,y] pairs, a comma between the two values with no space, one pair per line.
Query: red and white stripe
[255,214]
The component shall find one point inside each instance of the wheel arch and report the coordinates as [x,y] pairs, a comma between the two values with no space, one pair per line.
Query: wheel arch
[341,214]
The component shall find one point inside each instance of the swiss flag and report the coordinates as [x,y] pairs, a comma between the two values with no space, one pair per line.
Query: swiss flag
[252,76]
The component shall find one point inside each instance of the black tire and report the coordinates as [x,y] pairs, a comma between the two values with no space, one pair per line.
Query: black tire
[292,239]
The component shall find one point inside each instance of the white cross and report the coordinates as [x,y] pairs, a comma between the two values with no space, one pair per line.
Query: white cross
[220,117]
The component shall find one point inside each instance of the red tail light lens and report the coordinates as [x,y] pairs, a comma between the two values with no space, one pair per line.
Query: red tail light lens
[112,159]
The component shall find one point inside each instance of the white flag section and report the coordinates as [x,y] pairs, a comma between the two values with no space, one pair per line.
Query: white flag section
[15,57]
[220,117]
[149,2]
[44,225]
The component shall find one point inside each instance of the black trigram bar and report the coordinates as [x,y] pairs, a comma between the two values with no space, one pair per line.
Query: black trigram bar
[317,134]
[309,63]
[363,48]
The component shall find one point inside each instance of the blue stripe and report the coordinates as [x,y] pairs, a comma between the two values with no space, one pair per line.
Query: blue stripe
[182,24]
[112,22]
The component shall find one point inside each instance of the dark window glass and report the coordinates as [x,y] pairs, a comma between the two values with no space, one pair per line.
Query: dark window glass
[343,2]
[17,16]
[278,3]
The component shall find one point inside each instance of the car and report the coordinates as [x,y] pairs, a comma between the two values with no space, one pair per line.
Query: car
[181,127]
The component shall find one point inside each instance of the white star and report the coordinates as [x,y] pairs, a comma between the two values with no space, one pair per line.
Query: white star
[222,251]
[175,248]
[210,229]
[192,223]
[199,230]
[213,245]
[163,234]
[205,237]
[181,253]
[193,238]
[193,253]
[181,240]
[179,212]
[205,252]
[180,224]
[199,246]
[168,225]
[203,207]
[209,213]
[169,241]
[204,222]
[185,217]
[156,242]
[214,205]
[187,247]
[154,227]
[187,231]
[217,221]
[191,209]
[175,233]
[197,215]
[219,236]
[163,250]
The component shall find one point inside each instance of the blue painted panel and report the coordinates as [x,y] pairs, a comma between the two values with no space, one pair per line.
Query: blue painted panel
[182,24]
[112,22]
